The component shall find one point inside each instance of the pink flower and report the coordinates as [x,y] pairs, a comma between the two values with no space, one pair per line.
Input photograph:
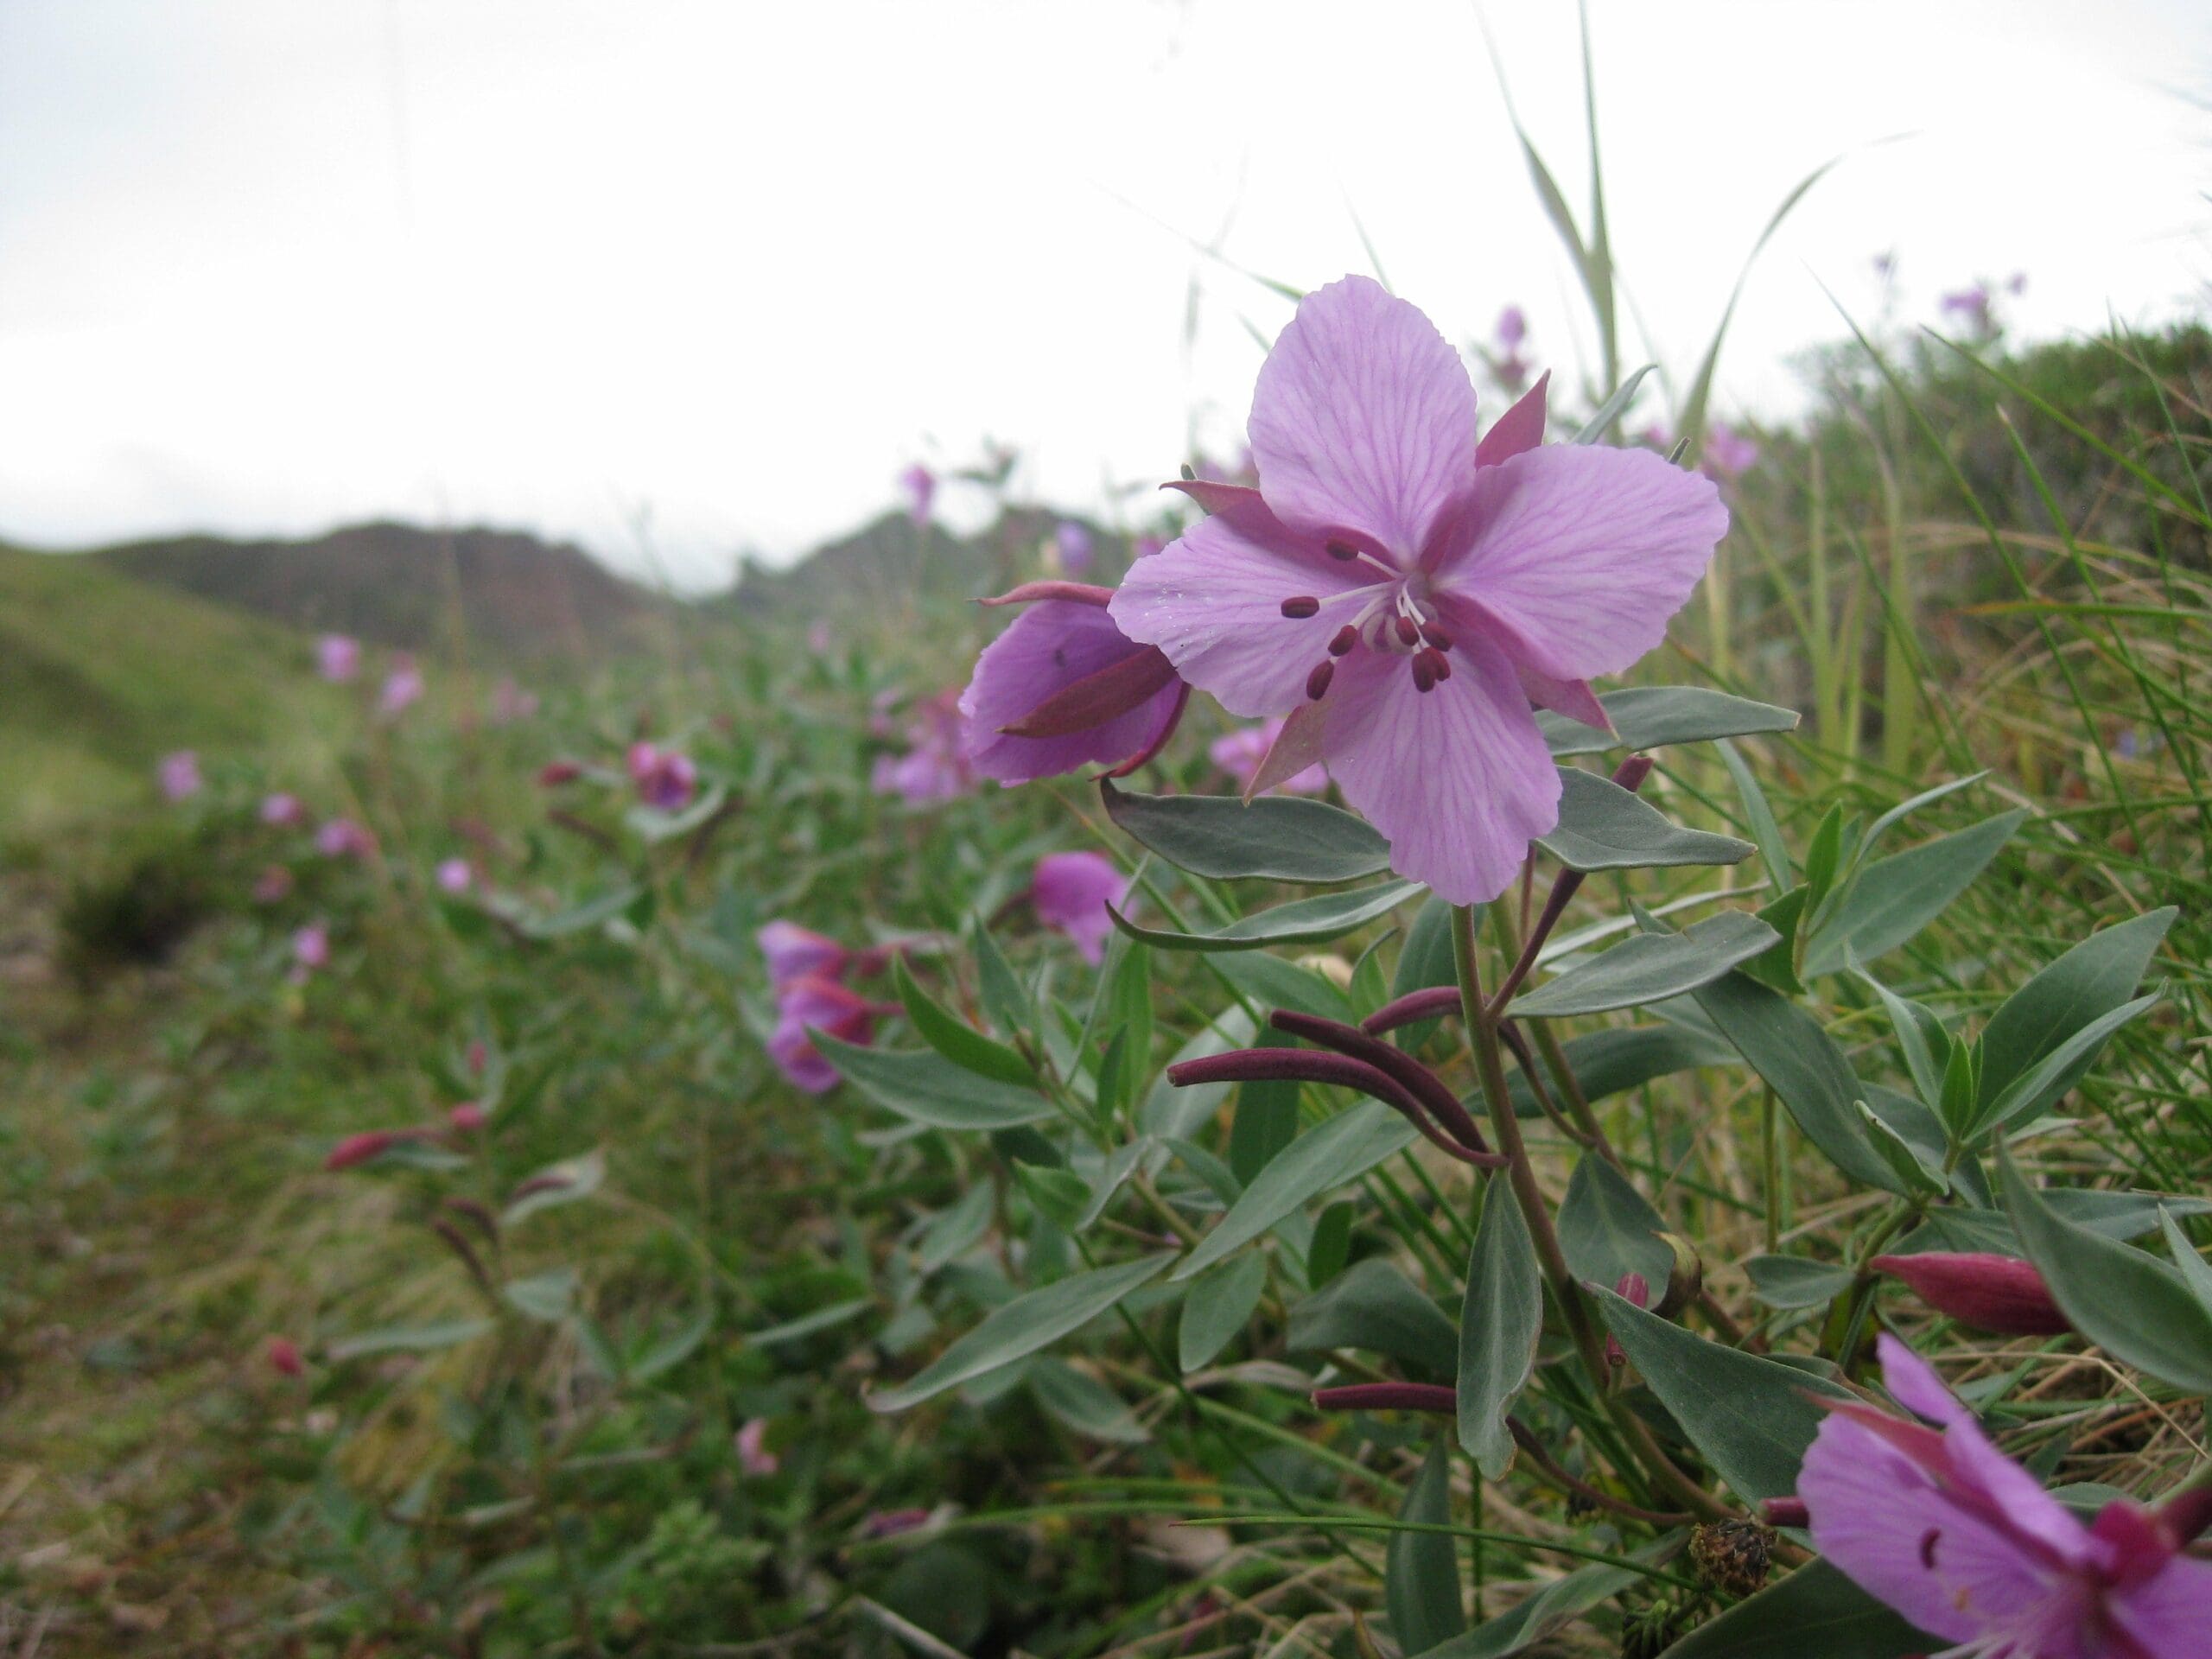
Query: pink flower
[794,952]
[1973,306]
[753,1454]
[402,687]
[370,1143]
[468,1116]
[180,775]
[1071,891]
[889,1523]
[284,1357]
[284,811]
[1989,1293]
[1240,753]
[1728,453]
[919,485]
[825,1005]
[933,767]
[337,658]
[1072,541]
[273,885]
[554,773]
[510,704]
[1406,594]
[666,777]
[311,947]
[455,876]
[1148,545]
[1967,1545]
[343,838]
[1512,326]
[1064,688]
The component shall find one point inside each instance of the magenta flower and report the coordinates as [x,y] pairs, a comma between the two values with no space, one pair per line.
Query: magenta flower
[1728,453]
[179,775]
[1064,688]
[1989,1293]
[919,485]
[1406,594]
[1972,306]
[1240,753]
[337,658]
[666,777]
[359,1148]
[284,1357]
[1071,891]
[813,1003]
[455,876]
[402,687]
[286,812]
[935,766]
[1512,326]
[343,838]
[469,1117]
[1073,543]
[753,1454]
[311,948]
[1966,1544]
[794,952]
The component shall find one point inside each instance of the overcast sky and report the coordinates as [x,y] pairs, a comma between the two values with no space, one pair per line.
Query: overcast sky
[673,279]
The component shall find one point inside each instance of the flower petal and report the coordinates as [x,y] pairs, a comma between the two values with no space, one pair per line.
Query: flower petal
[2167,1615]
[1577,556]
[1520,428]
[1458,777]
[1050,648]
[1212,600]
[1364,418]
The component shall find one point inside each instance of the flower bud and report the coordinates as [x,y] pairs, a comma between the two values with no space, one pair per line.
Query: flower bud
[284,1357]
[1989,1293]
[466,1116]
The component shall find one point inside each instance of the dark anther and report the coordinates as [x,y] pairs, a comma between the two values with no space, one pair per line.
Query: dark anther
[1424,673]
[1436,637]
[1408,631]
[1316,683]
[1342,550]
[1304,606]
[1928,1547]
[1439,664]
[1346,638]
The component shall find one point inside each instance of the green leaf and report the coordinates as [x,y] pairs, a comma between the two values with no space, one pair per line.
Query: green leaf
[1302,921]
[2089,981]
[953,1230]
[583,917]
[1824,856]
[2195,1272]
[967,1049]
[1774,851]
[1777,964]
[1174,1114]
[1815,1611]
[2112,1214]
[652,826]
[1275,838]
[1421,1570]
[1331,1248]
[2033,1088]
[1271,982]
[1892,898]
[1790,1281]
[1551,1607]
[809,1325]
[1917,1174]
[1022,1326]
[409,1339]
[1651,967]
[1320,1160]
[1058,1194]
[1807,1071]
[1648,717]
[1499,1323]
[1375,1307]
[1598,425]
[1083,1403]
[1217,1306]
[2125,1301]
[1004,1000]
[564,1182]
[1266,1121]
[549,1297]
[678,1345]
[1606,1228]
[924,1087]
[1603,827]
[1424,963]
[1906,809]
[1607,1063]
[1748,1416]
[1920,1031]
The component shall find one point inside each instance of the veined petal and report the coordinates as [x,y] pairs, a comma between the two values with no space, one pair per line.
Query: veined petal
[1457,777]
[1363,419]
[1577,556]
[1050,648]
[1212,600]
[1520,428]
[2167,1615]
[1573,698]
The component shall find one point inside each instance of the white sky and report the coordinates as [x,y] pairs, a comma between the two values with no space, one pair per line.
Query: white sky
[267,265]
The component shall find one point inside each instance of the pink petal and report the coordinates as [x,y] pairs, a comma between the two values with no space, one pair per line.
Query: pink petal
[1914,1383]
[1213,496]
[1050,648]
[2168,1615]
[1071,891]
[1363,419]
[1576,556]
[1520,428]
[793,952]
[1458,777]
[1212,600]
[1293,758]
[1573,698]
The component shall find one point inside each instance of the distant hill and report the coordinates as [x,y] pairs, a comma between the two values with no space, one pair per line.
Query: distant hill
[101,675]
[505,592]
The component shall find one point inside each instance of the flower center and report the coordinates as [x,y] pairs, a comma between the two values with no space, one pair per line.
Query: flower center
[1400,618]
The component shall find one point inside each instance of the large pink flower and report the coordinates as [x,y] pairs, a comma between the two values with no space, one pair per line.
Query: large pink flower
[1417,590]
[811,1003]
[1966,1543]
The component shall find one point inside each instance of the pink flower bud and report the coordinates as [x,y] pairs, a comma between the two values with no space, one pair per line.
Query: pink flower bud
[478,1059]
[1989,1293]
[1629,1287]
[1786,1512]
[468,1115]
[554,773]
[284,1357]
[369,1143]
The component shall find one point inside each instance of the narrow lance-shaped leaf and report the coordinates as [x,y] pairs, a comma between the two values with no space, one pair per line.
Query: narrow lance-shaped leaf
[1323,1159]
[1275,838]
[1892,898]
[1651,967]
[2096,976]
[2033,1088]
[1651,716]
[926,1088]
[1420,1572]
[1302,921]
[1603,827]
[965,1047]
[1500,1321]
[1375,1307]
[1606,1228]
[1217,1306]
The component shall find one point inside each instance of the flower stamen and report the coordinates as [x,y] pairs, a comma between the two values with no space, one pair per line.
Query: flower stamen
[1301,606]
[1316,683]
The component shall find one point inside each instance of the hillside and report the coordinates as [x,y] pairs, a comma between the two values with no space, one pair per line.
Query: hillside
[100,675]
[507,593]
